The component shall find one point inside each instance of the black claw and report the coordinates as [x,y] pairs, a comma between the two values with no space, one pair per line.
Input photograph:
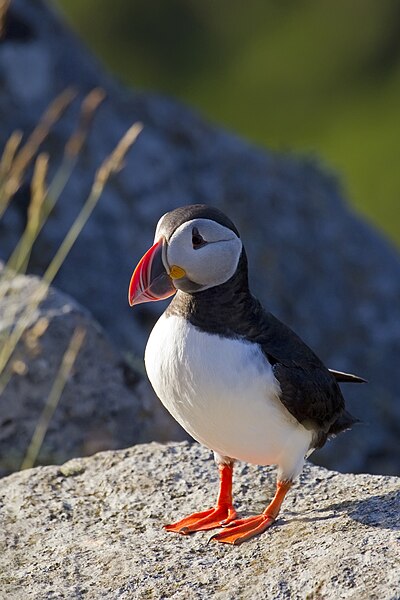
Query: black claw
[184,530]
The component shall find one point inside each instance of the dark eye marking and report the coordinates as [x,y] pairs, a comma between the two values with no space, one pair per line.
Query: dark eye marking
[197,240]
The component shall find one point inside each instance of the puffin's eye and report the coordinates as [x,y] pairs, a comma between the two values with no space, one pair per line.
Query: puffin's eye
[197,240]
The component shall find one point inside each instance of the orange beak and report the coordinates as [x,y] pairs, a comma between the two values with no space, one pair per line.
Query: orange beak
[150,281]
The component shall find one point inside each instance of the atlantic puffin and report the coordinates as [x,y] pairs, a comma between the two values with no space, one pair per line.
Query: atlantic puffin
[236,378]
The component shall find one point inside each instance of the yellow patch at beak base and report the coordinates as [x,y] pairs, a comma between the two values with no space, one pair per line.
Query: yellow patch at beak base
[177,272]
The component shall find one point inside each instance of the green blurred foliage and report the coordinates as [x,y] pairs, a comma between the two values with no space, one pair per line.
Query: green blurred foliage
[317,76]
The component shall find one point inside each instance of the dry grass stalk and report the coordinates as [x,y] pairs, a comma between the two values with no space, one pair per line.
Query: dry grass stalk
[38,191]
[8,155]
[4,4]
[54,397]
[13,165]
[50,117]
[89,106]
[10,342]
[112,164]
[24,156]
[20,256]
[18,261]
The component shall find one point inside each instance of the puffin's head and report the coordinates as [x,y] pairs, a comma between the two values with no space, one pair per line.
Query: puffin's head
[195,248]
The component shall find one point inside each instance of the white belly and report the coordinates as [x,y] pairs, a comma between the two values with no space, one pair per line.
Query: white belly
[224,394]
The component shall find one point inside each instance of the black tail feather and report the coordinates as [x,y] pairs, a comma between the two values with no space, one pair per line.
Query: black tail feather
[345,421]
[342,377]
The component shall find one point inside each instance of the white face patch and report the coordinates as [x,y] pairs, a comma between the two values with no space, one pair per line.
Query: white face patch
[211,263]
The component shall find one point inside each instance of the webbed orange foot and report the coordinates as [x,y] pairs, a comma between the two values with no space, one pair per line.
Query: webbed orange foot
[242,530]
[201,521]
[221,515]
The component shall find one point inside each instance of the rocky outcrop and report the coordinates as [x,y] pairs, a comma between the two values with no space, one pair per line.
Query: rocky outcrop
[105,404]
[93,529]
[312,261]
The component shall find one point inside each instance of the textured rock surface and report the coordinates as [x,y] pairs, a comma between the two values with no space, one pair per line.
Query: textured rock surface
[313,262]
[92,529]
[105,403]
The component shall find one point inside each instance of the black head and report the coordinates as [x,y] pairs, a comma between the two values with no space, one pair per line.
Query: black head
[196,248]
[172,220]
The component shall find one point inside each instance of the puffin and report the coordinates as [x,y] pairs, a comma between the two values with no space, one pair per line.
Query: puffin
[236,378]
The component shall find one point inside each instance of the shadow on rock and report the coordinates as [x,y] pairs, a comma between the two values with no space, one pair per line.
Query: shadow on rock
[377,511]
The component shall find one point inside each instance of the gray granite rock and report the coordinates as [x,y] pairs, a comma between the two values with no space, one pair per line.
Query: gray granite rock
[105,404]
[93,529]
[313,262]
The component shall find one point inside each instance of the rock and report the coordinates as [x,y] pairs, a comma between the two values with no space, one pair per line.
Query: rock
[93,529]
[313,262]
[105,404]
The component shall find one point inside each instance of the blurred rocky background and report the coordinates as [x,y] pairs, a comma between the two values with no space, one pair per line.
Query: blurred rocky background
[106,404]
[328,85]
[321,78]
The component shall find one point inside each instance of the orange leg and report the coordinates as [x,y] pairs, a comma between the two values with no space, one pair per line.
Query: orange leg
[242,530]
[222,514]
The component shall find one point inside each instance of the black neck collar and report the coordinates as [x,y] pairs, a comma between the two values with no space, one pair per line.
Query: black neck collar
[224,309]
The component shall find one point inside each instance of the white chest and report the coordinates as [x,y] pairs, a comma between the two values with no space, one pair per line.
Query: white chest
[223,392]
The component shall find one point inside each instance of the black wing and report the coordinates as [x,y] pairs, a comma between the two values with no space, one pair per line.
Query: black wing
[310,391]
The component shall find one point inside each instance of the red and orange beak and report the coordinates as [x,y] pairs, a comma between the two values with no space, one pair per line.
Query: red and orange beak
[150,280]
